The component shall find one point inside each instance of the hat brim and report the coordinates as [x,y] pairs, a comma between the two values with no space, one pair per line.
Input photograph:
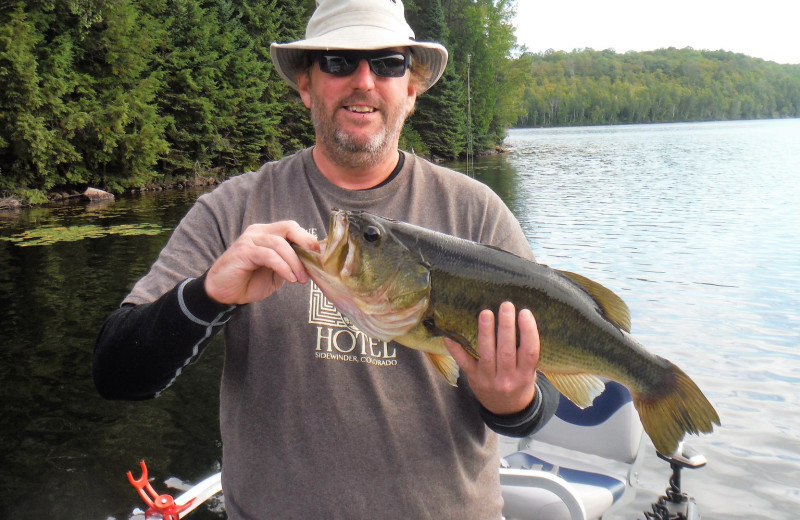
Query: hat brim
[288,56]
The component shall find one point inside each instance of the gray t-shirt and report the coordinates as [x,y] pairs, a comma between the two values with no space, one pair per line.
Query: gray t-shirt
[318,420]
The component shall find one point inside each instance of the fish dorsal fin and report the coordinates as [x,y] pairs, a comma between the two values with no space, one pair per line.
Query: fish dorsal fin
[445,365]
[581,388]
[613,307]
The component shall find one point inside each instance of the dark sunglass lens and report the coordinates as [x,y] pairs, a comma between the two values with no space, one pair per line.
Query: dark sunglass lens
[392,66]
[337,64]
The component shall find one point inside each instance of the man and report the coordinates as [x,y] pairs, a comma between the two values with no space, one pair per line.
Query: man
[318,420]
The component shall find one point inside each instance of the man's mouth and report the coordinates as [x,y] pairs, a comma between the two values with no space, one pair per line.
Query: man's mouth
[360,109]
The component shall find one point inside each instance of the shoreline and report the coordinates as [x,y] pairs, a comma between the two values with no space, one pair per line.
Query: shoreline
[91,194]
[72,194]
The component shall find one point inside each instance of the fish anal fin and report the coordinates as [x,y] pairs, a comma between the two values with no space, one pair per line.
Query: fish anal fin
[580,388]
[614,308]
[445,365]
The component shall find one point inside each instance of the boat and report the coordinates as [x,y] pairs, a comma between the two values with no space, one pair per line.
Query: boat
[580,466]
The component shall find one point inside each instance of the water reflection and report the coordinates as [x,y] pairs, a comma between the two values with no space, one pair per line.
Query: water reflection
[65,451]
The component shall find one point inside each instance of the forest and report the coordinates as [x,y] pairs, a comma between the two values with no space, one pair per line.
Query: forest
[590,87]
[124,94]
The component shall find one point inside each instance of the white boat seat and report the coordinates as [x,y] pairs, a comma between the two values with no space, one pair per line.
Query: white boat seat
[613,485]
[579,465]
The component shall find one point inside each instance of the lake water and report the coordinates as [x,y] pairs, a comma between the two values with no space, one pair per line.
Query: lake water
[694,225]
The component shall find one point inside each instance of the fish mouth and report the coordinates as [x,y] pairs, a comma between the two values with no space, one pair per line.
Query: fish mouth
[336,254]
[384,307]
[337,251]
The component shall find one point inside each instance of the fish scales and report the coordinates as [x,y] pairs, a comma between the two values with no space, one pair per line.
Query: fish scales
[492,276]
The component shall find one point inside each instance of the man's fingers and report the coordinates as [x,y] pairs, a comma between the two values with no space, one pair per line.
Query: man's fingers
[258,262]
[301,237]
[277,257]
[486,342]
[274,252]
[277,237]
[529,346]
[506,339]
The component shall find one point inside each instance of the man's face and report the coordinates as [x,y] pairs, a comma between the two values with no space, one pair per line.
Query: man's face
[357,117]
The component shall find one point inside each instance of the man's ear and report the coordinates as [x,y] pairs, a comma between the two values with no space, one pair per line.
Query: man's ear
[304,86]
[411,100]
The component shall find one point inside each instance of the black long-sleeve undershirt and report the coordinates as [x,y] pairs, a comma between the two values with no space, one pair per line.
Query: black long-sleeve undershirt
[141,349]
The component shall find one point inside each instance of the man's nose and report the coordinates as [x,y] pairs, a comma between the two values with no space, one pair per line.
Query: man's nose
[363,78]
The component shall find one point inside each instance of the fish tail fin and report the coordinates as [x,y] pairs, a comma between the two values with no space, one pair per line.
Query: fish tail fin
[682,409]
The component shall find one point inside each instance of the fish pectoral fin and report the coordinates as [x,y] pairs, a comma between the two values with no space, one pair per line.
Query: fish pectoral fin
[445,365]
[612,305]
[430,324]
[579,388]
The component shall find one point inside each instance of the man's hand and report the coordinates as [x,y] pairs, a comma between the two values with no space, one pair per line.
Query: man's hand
[504,378]
[258,263]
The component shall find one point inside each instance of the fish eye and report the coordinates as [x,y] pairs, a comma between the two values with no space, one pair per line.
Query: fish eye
[372,234]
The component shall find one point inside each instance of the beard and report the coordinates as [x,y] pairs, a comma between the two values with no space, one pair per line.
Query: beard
[352,151]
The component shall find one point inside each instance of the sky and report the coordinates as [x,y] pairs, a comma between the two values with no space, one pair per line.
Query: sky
[767,29]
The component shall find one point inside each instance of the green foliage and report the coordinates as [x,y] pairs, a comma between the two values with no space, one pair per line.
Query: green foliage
[82,105]
[29,103]
[439,121]
[124,135]
[289,127]
[484,30]
[411,140]
[125,93]
[667,85]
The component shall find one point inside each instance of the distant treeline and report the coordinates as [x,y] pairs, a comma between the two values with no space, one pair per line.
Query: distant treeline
[128,93]
[601,87]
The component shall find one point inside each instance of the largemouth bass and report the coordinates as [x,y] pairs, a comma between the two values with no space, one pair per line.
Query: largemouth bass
[401,282]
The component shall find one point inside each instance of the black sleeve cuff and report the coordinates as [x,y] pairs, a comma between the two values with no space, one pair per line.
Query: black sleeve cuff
[528,420]
[198,306]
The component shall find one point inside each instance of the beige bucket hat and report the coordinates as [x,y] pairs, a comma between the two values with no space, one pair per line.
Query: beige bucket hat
[358,25]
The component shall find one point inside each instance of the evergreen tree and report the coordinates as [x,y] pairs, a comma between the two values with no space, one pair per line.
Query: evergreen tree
[288,127]
[123,138]
[191,63]
[484,30]
[439,121]
[243,118]
[81,104]
[26,144]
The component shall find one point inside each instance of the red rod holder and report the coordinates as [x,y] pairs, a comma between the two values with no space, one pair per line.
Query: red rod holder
[163,505]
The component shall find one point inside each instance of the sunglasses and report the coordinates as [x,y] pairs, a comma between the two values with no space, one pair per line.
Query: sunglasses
[383,63]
